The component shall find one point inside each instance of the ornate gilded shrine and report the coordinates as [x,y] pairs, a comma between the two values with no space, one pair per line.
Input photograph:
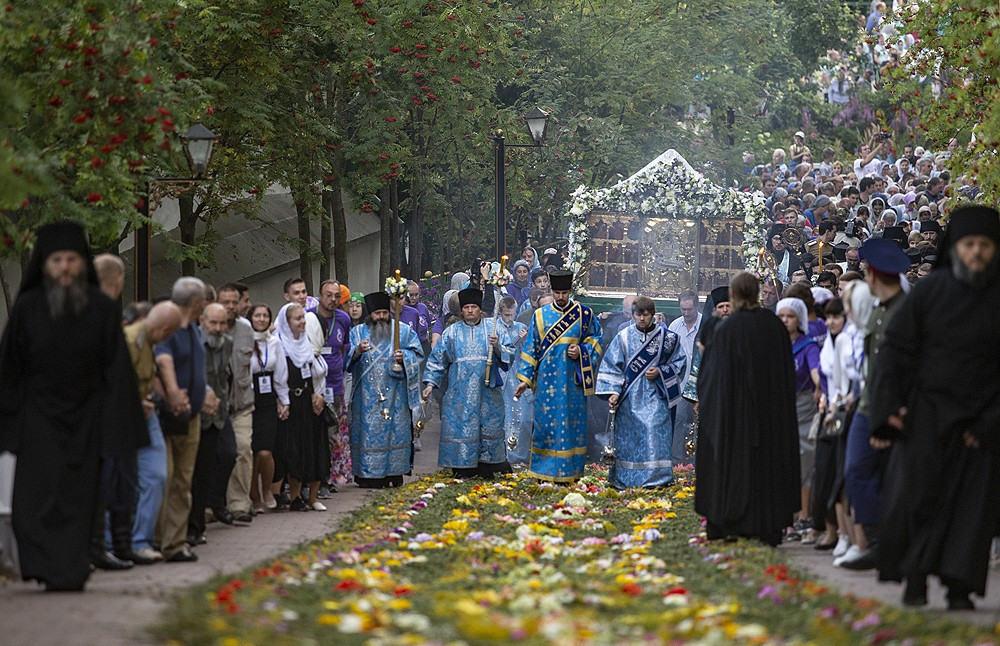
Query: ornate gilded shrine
[661,231]
[661,256]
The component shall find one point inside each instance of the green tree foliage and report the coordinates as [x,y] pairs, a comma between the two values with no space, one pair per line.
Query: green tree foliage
[947,84]
[815,26]
[393,102]
[98,112]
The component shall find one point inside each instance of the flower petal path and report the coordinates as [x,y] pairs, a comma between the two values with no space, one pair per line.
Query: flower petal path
[514,560]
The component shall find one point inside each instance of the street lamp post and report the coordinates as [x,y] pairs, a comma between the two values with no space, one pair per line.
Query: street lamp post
[198,144]
[537,121]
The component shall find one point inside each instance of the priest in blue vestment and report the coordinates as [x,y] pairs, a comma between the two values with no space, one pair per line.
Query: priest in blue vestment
[640,375]
[472,411]
[384,401]
[558,364]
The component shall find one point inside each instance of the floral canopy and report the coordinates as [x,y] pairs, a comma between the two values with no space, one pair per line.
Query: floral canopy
[668,188]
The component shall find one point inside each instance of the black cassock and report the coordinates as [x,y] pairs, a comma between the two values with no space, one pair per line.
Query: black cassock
[68,394]
[940,498]
[747,467]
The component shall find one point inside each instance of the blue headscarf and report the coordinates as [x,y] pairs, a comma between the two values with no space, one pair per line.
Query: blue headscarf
[537,263]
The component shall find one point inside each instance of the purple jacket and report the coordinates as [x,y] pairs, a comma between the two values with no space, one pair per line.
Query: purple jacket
[337,332]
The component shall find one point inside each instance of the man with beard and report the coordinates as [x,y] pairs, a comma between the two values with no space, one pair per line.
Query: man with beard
[241,399]
[472,411]
[641,374]
[748,454]
[384,400]
[941,493]
[557,363]
[68,395]
[214,464]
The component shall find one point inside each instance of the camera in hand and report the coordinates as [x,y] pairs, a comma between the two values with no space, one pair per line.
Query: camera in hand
[883,136]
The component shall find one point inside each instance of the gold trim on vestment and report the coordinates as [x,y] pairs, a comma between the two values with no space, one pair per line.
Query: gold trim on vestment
[593,341]
[552,453]
[530,382]
[529,359]
[532,474]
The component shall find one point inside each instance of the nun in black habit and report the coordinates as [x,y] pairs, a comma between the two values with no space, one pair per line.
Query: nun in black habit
[68,394]
[935,395]
[747,463]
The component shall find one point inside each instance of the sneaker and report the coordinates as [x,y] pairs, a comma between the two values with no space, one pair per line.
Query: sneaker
[318,506]
[299,505]
[324,493]
[852,553]
[842,544]
[791,535]
[148,553]
[416,444]
[809,537]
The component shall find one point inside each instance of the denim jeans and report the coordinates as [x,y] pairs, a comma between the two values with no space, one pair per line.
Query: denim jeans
[152,461]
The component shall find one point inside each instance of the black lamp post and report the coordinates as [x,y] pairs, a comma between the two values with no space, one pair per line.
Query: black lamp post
[198,144]
[537,121]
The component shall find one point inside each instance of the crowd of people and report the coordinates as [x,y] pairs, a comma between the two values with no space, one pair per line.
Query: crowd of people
[806,395]
[886,385]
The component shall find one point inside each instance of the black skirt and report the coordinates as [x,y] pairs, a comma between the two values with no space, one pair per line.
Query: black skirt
[265,416]
[302,442]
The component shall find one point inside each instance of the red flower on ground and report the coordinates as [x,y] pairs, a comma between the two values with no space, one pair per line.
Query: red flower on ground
[632,589]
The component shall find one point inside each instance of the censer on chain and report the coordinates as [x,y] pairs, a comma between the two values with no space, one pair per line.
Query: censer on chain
[382,399]
[421,424]
[512,440]
[691,442]
[608,454]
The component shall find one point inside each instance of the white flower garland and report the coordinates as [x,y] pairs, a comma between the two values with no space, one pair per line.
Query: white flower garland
[671,190]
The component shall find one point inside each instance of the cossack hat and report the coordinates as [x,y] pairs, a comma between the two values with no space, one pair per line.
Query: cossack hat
[470,296]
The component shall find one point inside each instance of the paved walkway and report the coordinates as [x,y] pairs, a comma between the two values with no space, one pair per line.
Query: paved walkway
[117,607]
[866,585]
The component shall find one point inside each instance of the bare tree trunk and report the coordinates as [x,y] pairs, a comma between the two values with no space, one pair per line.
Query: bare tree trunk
[385,217]
[188,227]
[417,234]
[325,235]
[305,242]
[339,232]
[6,289]
[396,243]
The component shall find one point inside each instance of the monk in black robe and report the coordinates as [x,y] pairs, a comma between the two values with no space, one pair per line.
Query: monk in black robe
[936,399]
[747,463]
[68,392]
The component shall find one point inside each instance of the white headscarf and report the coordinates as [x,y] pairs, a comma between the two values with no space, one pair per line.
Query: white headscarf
[299,350]
[861,301]
[445,311]
[798,306]
[458,281]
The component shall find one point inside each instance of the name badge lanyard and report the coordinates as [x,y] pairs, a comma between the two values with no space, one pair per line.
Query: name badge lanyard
[263,364]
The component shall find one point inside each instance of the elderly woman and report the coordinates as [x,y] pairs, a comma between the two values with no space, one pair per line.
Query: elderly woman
[303,434]
[805,353]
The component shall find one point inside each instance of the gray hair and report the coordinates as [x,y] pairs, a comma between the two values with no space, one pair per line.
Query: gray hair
[186,290]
